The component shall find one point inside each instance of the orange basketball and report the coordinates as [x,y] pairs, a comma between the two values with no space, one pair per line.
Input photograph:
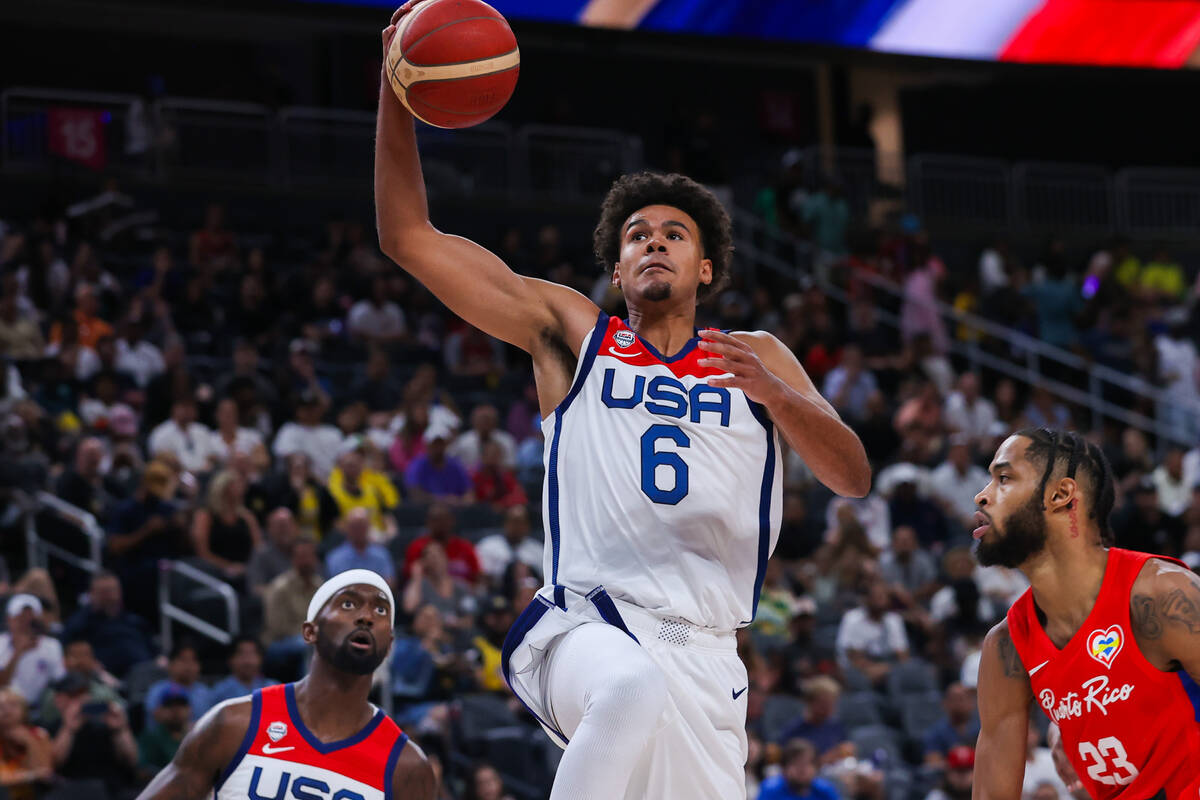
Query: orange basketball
[453,63]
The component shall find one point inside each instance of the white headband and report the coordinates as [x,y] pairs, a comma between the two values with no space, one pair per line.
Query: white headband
[348,578]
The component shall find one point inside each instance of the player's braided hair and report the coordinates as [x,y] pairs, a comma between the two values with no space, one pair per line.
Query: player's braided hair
[638,190]
[1069,452]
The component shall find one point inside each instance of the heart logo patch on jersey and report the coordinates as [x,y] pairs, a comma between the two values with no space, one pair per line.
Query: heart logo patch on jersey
[623,338]
[276,731]
[1103,645]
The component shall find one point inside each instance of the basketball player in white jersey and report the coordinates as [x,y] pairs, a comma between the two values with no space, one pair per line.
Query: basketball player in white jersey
[318,739]
[663,473]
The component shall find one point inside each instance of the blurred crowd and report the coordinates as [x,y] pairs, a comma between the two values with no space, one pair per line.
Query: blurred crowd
[271,412]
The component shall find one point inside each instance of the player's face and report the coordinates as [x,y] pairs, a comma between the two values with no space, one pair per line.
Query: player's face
[1012,523]
[661,256]
[353,633]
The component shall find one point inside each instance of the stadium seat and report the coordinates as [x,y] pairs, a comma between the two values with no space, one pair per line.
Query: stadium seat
[411,515]
[859,709]
[140,678]
[825,641]
[874,738]
[919,712]
[779,711]
[481,712]
[855,680]
[913,676]
[477,516]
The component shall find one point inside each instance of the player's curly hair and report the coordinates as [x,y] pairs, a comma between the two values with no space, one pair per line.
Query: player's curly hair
[1065,452]
[638,190]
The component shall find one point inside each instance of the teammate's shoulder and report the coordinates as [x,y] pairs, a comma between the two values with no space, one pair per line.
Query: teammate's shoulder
[414,772]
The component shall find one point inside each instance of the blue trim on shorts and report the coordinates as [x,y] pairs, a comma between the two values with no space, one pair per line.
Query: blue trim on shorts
[532,614]
[389,768]
[764,501]
[587,358]
[247,740]
[608,610]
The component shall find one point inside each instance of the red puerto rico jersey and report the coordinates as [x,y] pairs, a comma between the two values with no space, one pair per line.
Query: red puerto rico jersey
[281,759]
[1131,730]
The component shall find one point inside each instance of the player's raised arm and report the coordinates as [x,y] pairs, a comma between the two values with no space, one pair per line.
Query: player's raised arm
[203,754]
[1004,697]
[469,279]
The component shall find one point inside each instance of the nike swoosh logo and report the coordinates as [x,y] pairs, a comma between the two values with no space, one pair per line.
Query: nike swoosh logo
[269,750]
[736,695]
[618,354]
[1039,666]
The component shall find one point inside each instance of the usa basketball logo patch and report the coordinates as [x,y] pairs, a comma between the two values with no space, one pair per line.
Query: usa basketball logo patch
[276,731]
[623,338]
[1103,645]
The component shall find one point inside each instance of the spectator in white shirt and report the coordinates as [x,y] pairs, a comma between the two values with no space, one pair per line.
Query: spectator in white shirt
[485,427]
[954,483]
[377,319]
[230,438]
[181,436]
[138,358]
[871,638]
[1039,768]
[307,434]
[966,412]
[29,660]
[498,550]
[1172,484]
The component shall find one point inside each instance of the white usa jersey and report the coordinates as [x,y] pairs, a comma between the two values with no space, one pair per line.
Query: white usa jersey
[660,488]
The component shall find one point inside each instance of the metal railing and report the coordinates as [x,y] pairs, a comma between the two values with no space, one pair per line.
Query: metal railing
[38,549]
[169,611]
[1030,360]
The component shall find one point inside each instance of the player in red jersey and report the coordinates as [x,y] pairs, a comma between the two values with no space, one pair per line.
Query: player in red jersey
[1106,641]
[319,738]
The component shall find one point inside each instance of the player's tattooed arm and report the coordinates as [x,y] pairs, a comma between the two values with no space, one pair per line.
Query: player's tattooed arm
[414,776]
[1004,700]
[1165,614]
[1010,661]
[203,755]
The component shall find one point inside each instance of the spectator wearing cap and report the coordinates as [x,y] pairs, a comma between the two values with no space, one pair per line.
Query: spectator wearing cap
[798,779]
[355,485]
[285,609]
[959,776]
[79,659]
[358,551]
[245,675]
[92,741]
[274,556]
[462,560]
[494,483]
[183,673]
[224,533]
[495,618]
[298,490]
[183,437]
[871,637]
[231,438]
[958,726]
[158,743]
[436,475]
[119,639]
[307,434]
[819,723]
[25,758]
[29,660]
[485,427]
[497,550]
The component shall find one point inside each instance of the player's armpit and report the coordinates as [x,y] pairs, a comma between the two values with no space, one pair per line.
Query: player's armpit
[1004,698]
[1165,612]
[202,754]
[414,777]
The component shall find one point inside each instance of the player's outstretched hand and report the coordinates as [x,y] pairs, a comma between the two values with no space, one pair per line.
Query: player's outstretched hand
[746,370]
[390,30]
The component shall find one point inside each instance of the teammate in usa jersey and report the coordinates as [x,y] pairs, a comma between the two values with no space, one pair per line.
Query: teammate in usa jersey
[1105,641]
[319,738]
[663,471]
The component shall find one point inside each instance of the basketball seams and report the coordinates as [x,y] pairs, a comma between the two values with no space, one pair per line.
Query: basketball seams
[441,73]
[443,26]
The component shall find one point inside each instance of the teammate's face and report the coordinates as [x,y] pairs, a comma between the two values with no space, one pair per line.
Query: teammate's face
[1012,522]
[661,256]
[353,633]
